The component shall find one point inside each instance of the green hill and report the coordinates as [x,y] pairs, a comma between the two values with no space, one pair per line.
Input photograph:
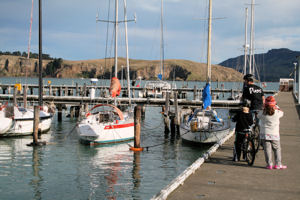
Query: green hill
[175,69]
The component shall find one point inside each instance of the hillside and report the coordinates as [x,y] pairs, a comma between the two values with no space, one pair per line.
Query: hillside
[275,64]
[101,68]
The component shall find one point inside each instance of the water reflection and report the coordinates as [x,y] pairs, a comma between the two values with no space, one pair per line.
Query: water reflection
[108,168]
[136,177]
[20,168]
[37,179]
[76,171]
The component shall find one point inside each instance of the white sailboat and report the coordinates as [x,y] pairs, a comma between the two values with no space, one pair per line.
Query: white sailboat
[203,125]
[22,118]
[105,123]
[23,122]
[18,121]
[156,88]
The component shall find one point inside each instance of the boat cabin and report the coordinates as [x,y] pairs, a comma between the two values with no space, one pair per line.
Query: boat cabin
[286,84]
[156,88]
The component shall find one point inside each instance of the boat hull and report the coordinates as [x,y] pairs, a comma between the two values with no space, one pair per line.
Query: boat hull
[23,123]
[203,137]
[6,124]
[99,133]
[25,127]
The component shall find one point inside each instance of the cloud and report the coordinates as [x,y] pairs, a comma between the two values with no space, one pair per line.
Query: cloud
[152,6]
[73,33]
[281,37]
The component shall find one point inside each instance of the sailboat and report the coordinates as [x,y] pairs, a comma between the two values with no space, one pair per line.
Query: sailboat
[203,125]
[6,122]
[22,117]
[106,123]
[23,121]
[18,121]
[156,88]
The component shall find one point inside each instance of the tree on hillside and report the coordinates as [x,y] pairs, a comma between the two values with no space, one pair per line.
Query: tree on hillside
[35,67]
[89,74]
[24,54]
[16,53]
[178,72]
[52,67]
[6,65]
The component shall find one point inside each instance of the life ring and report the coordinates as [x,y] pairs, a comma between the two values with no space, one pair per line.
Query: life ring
[264,84]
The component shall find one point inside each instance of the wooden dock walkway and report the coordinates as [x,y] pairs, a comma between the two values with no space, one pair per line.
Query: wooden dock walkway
[221,178]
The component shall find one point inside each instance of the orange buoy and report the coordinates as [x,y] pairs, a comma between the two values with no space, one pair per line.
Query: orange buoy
[115,87]
[136,149]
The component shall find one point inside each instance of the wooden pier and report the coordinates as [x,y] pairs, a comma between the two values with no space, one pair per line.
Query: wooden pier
[221,178]
[81,94]
[77,98]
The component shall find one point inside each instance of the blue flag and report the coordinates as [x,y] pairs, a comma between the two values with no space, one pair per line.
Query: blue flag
[206,97]
[159,76]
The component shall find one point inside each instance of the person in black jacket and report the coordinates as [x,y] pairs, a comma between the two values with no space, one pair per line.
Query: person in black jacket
[253,93]
[243,120]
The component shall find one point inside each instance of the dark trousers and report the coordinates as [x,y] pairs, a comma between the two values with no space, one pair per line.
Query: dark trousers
[239,138]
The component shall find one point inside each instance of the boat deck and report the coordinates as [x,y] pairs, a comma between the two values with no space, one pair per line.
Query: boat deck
[221,178]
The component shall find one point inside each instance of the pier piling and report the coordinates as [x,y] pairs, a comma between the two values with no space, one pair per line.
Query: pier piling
[166,113]
[36,131]
[59,112]
[137,129]
[172,125]
[84,90]
[50,89]
[77,90]
[15,96]
[72,112]
[36,124]
[25,95]
[66,91]
[195,92]
[177,113]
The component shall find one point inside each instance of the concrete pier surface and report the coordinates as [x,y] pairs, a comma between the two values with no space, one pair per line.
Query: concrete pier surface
[221,178]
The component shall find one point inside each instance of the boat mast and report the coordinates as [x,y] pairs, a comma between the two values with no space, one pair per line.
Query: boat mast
[251,61]
[40,56]
[30,28]
[116,38]
[209,44]
[246,42]
[161,42]
[127,54]
[116,23]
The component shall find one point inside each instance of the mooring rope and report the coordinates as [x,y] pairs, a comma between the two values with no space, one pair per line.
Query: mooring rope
[70,131]
[149,129]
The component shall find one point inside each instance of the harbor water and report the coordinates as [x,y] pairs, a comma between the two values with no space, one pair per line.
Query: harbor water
[66,169]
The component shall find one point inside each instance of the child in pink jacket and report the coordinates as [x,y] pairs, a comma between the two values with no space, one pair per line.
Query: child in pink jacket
[269,133]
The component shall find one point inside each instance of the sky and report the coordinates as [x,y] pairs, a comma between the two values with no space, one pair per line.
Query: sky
[70,30]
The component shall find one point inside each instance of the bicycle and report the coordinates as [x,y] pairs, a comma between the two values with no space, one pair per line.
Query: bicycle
[248,146]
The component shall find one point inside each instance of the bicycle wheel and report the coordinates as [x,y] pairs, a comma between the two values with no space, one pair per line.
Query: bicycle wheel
[256,131]
[250,153]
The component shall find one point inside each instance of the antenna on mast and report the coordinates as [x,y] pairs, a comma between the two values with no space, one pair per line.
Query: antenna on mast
[116,23]
[246,45]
